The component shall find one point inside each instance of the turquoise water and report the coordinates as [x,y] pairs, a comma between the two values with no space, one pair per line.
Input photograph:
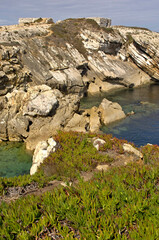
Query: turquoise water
[14,159]
[140,128]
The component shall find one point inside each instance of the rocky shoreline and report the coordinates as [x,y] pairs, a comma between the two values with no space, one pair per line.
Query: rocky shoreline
[46,67]
[44,148]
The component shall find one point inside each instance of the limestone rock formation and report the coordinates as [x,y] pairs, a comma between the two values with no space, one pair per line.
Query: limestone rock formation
[94,121]
[45,53]
[78,123]
[45,68]
[23,21]
[36,114]
[110,111]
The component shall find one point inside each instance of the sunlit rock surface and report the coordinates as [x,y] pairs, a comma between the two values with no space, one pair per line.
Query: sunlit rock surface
[45,68]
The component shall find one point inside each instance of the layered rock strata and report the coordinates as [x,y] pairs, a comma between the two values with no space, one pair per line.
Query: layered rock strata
[45,69]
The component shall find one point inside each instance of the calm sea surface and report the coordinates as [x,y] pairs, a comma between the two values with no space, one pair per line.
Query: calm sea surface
[140,128]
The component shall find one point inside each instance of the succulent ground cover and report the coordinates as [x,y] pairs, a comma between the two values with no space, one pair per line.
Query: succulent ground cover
[121,203]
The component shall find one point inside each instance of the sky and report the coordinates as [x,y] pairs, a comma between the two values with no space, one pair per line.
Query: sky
[141,13]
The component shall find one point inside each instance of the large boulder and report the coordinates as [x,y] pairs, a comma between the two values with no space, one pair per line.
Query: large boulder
[93,88]
[110,111]
[44,127]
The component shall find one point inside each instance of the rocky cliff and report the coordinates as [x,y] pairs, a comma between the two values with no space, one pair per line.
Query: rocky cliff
[45,67]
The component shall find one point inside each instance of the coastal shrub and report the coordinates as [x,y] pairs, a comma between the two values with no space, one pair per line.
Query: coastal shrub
[150,154]
[76,153]
[129,39]
[134,27]
[68,31]
[108,30]
[93,23]
[119,204]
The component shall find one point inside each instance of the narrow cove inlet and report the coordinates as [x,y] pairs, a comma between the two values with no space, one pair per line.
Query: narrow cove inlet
[140,128]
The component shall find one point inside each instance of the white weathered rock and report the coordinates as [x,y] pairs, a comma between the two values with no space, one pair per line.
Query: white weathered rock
[42,151]
[51,145]
[42,104]
[97,142]
[110,111]
[102,167]
[129,148]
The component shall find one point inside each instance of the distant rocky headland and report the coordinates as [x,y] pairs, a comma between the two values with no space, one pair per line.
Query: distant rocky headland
[46,67]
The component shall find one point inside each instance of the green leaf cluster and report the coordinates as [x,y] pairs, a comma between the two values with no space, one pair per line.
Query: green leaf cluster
[120,204]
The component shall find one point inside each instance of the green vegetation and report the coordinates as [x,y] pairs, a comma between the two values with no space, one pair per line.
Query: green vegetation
[135,28]
[122,204]
[68,32]
[75,154]
[129,39]
[109,30]
[119,204]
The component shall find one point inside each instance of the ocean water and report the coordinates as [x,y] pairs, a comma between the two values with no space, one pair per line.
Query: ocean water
[140,128]
[14,159]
